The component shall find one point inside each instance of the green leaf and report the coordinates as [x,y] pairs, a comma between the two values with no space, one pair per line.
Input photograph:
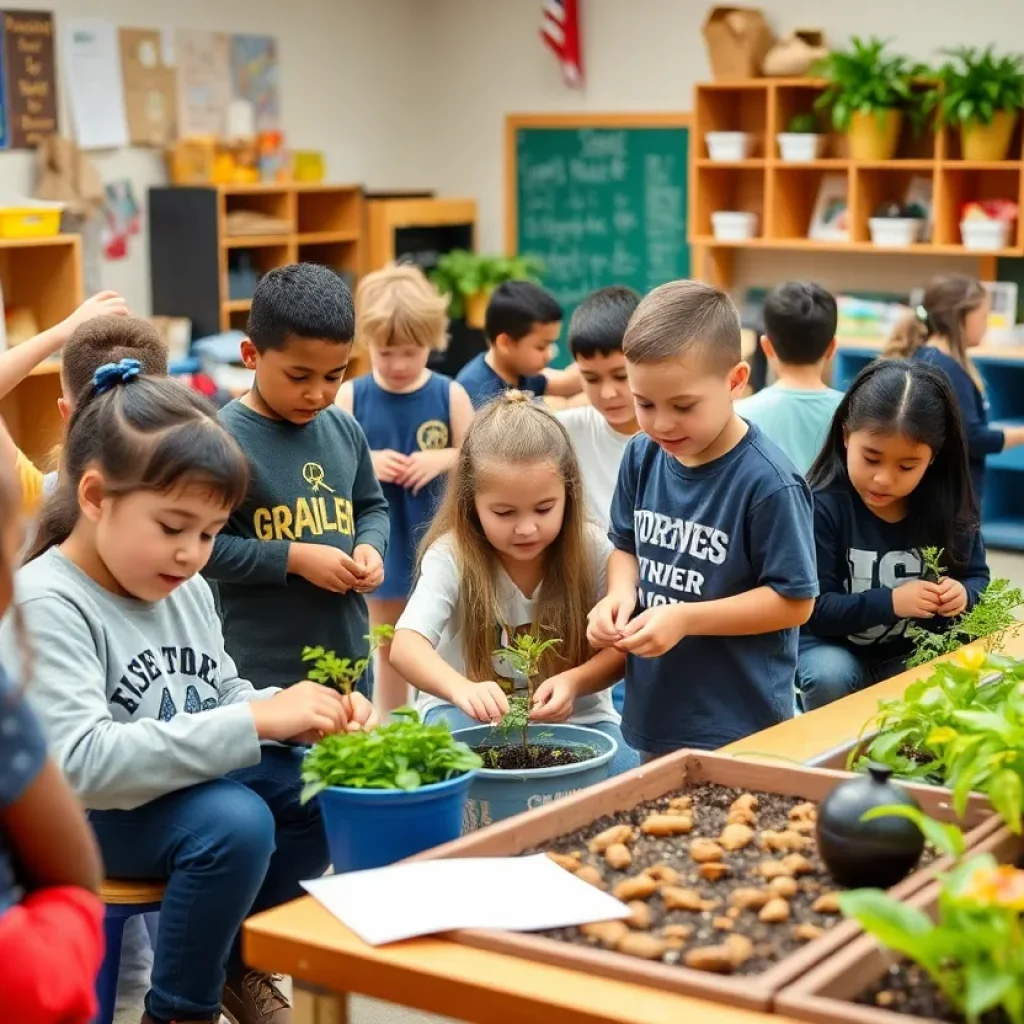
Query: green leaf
[985,985]
[407,779]
[1006,791]
[896,925]
[944,836]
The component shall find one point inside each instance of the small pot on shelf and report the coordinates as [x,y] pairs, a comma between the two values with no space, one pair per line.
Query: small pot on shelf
[874,135]
[801,142]
[729,146]
[897,225]
[733,225]
[988,141]
[476,309]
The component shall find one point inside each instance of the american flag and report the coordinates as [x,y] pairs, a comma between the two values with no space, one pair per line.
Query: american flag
[560,30]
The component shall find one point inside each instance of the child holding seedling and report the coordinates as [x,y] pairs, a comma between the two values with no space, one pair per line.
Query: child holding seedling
[147,716]
[414,421]
[509,552]
[891,481]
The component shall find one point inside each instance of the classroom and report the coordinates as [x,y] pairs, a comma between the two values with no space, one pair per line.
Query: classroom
[511,510]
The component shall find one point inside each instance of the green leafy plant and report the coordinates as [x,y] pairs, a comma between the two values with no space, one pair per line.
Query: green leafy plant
[405,754]
[461,274]
[524,656]
[974,949]
[344,673]
[975,85]
[866,79]
[803,124]
[934,570]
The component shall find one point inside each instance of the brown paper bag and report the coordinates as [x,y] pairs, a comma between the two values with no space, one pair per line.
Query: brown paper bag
[737,39]
[150,88]
[67,175]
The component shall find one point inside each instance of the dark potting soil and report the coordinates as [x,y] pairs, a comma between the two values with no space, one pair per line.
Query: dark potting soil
[772,942]
[908,989]
[539,755]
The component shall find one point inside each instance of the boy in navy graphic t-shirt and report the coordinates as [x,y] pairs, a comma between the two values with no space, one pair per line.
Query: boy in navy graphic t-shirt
[713,570]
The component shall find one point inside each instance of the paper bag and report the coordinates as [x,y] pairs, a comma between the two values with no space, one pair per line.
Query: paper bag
[737,39]
[68,176]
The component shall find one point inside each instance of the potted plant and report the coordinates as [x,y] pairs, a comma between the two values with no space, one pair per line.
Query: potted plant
[524,765]
[869,92]
[801,141]
[981,94]
[389,793]
[468,280]
[897,224]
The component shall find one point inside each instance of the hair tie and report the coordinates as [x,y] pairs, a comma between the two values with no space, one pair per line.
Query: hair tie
[109,375]
[921,313]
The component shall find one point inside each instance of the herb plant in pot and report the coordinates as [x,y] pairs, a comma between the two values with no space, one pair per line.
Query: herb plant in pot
[468,280]
[389,793]
[982,95]
[802,140]
[869,92]
[527,765]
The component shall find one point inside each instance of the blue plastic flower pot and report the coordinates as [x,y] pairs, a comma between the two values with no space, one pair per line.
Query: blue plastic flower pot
[369,828]
[497,794]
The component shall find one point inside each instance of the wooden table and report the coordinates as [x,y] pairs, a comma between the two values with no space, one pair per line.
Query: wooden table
[327,962]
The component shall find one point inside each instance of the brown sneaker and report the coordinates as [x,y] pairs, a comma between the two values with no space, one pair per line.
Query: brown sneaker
[254,998]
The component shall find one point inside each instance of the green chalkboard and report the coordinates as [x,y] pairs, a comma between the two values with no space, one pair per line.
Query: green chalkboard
[601,205]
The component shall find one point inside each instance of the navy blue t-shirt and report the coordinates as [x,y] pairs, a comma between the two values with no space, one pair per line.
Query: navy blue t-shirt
[483,384]
[406,423]
[861,559]
[700,534]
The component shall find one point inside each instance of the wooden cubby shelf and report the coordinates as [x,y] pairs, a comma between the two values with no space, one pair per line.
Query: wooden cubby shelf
[783,194]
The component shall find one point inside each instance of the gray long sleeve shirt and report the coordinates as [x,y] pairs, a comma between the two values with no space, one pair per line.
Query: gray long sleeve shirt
[311,484]
[137,699]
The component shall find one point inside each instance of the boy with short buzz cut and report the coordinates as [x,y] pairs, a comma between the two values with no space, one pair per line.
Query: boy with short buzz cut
[295,560]
[522,324]
[800,336]
[713,534]
[601,430]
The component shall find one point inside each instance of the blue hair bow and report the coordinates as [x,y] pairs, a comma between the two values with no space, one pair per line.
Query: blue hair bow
[111,374]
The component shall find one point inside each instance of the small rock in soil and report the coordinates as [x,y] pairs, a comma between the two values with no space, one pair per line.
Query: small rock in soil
[639,888]
[775,911]
[784,887]
[774,869]
[826,903]
[713,871]
[639,916]
[715,959]
[647,947]
[610,837]
[607,933]
[705,850]
[667,825]
[569,861]
[807,932]
[736,837]
[591,875]
[617,856]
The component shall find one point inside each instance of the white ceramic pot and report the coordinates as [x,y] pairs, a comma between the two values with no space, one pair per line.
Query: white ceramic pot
[895,231]
[985,234]
[724,146]
[733,225]
[797,147]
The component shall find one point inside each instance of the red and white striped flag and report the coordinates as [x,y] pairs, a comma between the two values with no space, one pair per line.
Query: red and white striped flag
[560,30]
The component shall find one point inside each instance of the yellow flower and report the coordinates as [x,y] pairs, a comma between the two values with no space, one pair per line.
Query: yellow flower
[970,657]
[1002,886]
[941,734]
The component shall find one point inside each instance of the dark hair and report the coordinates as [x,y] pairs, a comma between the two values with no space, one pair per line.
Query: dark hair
[515,307]
[146,433]
[682,314]
[304,300]
[600,320]
[910,397]
[109,339]
[800,320]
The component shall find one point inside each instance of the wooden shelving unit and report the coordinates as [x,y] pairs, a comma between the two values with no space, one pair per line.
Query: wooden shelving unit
[192,249]
[45,275]
[783,194]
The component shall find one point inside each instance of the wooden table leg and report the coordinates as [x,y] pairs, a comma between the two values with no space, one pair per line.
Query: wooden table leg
[310,1006]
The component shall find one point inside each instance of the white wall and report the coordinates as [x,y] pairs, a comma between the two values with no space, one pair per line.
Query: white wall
[345,86]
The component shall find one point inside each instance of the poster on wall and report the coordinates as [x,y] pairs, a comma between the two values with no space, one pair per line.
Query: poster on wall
[29,77]
[150,86]
[254,78]
[92,73]
[204,81]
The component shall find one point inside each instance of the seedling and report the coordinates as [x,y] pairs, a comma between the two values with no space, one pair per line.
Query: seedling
[934,570]
[524,655]
[343,673]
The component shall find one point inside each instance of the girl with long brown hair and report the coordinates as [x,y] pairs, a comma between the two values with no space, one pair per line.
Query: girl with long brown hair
[510,551]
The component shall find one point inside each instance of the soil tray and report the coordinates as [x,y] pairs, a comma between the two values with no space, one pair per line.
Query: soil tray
[841,990]
[711,782]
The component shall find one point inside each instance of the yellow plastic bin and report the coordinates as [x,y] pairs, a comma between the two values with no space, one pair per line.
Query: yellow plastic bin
[30,219]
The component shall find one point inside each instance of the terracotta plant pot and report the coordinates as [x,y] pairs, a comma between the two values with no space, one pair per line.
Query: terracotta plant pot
[874,136]
[476,309]
[988,141]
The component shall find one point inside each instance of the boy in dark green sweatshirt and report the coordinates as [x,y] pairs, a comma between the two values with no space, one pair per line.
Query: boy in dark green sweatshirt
[295,560]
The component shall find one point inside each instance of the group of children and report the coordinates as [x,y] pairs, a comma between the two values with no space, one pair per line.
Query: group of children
[664,535]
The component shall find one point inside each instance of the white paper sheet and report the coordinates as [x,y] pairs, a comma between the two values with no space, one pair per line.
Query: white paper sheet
[518,894]
[92,66]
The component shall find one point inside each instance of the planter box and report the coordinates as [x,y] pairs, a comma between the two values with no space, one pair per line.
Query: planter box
[659,778]
[826,994]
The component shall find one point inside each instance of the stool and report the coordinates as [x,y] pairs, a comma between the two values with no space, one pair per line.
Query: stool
[123,898]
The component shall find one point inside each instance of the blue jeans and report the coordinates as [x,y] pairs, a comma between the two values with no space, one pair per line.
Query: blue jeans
[625,759]
[619,695]
[228,848]
[827,671]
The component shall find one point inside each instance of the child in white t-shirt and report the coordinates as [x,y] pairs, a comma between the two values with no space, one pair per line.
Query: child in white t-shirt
[601,430]
[510,551]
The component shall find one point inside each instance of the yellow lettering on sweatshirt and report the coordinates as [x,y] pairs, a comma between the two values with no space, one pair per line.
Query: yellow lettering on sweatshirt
[310,517]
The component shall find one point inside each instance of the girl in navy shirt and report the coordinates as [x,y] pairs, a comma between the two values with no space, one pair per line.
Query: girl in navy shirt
[414,420]
[891,479]
[953,318]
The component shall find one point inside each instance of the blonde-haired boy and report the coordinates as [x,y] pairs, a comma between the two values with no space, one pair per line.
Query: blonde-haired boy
[414,420]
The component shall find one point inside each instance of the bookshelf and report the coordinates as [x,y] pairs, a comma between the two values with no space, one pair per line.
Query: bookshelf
[783,194]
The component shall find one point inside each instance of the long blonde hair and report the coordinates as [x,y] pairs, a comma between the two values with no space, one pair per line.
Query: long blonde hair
[507,433]
[947,300]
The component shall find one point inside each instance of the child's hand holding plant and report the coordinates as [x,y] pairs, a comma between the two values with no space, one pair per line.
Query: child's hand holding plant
[484,702]
[609,617]
[553,699]
[306,712]
[918,599]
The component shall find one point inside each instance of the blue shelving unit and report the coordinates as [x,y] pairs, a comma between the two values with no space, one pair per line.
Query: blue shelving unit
[1002,515]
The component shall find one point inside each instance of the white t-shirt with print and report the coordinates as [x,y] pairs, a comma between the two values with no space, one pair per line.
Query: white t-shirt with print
[599,448]
[433,612]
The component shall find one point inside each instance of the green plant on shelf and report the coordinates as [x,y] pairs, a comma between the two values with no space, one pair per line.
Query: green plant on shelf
[344,673]
[524,656]
[975,85]
[803,124]
[461,275]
